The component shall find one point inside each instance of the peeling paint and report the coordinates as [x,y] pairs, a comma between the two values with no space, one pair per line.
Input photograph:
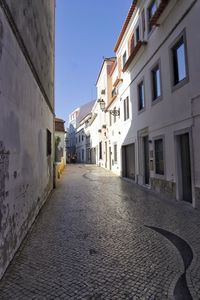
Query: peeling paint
[4,164]
[25,170]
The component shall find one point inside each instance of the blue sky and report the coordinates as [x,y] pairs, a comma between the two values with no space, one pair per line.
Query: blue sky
[86,31]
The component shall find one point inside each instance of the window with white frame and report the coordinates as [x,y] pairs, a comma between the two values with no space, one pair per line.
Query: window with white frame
[126,109]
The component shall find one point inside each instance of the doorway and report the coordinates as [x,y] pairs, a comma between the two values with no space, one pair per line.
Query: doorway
[106,154]
[184,167]
[128,160]
[146,159]
[110,159]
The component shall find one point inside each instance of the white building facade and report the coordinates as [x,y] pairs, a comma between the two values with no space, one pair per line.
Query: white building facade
[153,83]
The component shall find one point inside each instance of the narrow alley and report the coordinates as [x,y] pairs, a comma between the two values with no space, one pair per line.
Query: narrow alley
[101,237]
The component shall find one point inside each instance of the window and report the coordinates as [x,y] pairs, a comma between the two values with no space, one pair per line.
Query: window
[179,61]
[159,157]
[114,92]
[79,138]
[124,58]
[114,117]
[151,11]
[82,154]
[131,43]
[48,142]
[141,100]
[100,150]
[143,23]
[82,136]
[156,82]
[110,119]
[115,153]
[137,34]
[126,109]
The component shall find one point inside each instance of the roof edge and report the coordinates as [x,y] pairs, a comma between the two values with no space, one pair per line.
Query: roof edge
[113,58]
[125,25]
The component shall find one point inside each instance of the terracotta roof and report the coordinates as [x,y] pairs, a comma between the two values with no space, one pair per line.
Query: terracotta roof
[126,23]
[59,125]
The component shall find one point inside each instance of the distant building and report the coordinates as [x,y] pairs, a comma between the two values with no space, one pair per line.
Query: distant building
[76,130]
[26,117]
[60,147]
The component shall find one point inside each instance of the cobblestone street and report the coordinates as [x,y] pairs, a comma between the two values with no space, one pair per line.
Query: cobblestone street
[98,237]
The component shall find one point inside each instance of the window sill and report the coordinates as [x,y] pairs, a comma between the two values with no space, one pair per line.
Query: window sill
[154,102]
[141,111]
[180,84]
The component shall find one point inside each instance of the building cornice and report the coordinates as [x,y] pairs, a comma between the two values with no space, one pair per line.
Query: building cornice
[126,23]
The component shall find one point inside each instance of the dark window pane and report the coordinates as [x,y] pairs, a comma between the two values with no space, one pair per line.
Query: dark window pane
[124,58]
[141,96]
[48,142]
[115,153]
[159,158]
[100,150]
[137,34]
[156,83]
[126,109]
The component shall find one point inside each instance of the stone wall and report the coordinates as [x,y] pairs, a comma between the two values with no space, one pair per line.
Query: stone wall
[26,113]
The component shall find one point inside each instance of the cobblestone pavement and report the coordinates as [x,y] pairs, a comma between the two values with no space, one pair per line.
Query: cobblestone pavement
[91,241]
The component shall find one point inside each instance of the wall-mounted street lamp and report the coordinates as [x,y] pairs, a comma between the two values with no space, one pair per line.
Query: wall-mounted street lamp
[114,112]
